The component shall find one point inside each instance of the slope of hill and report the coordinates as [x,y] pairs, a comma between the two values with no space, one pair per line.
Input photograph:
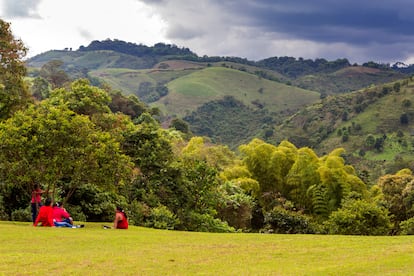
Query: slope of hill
[347,79]
[374,125]
[193,90]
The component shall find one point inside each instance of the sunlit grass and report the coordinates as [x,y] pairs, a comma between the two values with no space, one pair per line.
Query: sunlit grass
[140,251]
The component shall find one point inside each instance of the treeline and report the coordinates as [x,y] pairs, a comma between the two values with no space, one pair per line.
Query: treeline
[139,50]
[295,68]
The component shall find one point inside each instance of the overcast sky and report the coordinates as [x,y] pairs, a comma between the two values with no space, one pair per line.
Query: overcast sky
[360,30]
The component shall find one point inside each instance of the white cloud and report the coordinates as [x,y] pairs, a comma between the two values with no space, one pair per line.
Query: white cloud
[62,24]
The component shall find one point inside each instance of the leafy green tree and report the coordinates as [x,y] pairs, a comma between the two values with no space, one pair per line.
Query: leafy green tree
[240,175]
[82,98]
[269,165]
[54,146]
[128,105]
[303,174]
[398,193]
[40,88]
[336,181]
[216,156]
[235,206]
[52,72]
[14,94]
[359,217]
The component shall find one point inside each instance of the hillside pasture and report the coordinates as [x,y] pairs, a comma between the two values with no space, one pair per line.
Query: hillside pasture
[191,91]
[93,250]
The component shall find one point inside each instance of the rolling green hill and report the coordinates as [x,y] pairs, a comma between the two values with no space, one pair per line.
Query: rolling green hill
[374,125]
[247,97]
[193,90]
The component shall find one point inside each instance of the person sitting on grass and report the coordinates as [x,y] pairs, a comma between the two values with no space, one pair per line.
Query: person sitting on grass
[45,216]
[61,217]
[121,220]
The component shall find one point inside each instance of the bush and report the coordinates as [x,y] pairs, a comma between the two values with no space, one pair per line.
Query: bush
[76,212]
[3,213]
[235,207]
[22,215]
[162,218]
[407,227]
[282,221]
[207,223]
[359,217]
[95,203]
[138,212]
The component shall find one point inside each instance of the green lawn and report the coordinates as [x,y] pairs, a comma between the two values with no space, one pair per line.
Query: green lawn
[26,250]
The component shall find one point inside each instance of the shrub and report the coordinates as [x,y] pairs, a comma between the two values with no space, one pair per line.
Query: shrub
[283,221]
[3,213]
[407,227]
[235,207]
[75,212]
[359,217]
[162,218]
[206,223]
[138,212]
[22,215]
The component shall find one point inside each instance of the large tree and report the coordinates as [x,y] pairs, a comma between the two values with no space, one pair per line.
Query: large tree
[14,93]
[59,149]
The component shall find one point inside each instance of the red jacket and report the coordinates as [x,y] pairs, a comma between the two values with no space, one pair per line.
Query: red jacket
[59,213]
[45,216]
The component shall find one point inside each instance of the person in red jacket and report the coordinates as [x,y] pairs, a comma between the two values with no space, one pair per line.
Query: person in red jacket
[61,217]
[121,220]
[45,216]
[36,202]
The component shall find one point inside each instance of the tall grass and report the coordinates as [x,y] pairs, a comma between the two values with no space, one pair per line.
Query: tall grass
[26,250]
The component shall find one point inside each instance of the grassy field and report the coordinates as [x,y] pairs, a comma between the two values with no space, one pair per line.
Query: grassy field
[26,250]
[190,91]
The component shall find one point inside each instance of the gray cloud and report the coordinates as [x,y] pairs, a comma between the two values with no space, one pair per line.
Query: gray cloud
[20,8]
[360,30]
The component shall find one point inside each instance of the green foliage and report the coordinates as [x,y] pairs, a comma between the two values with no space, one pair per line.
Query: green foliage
[21,215]
[315,185]
[95,204]
[128,105]
[407,227]
[54,74]
[206,223]
[77,213]
[161,218]
[40,88]
[54,146]
[159,49]
[138,212]
[282,221]
[3,213]
[82,98]
[299,67]
[359,217]
[211,120]
[14,94]
[235,207]
[398,194]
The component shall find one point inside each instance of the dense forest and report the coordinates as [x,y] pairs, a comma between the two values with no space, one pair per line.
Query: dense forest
[94,148]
